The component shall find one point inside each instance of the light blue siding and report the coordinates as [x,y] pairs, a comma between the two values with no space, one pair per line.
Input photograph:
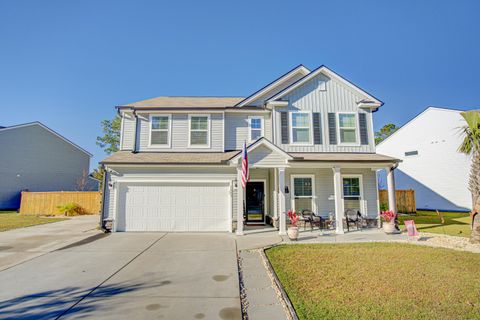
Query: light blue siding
[236,129]
[325,95]
[179,134]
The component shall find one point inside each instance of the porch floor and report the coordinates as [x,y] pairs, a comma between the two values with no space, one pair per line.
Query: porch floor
[267,236]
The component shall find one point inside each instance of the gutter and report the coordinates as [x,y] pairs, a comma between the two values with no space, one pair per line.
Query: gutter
[136,132]
[103,199]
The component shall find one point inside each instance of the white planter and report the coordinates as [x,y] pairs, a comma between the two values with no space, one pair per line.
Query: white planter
[292,233]
[389,227]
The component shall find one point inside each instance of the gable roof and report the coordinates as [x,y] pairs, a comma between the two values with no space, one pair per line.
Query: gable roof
[326,71]
[263,142]
[418,116]
[37,123]
[186,102]
[300,69]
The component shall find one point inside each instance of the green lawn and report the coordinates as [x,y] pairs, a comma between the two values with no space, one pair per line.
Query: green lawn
[379,281]
[456,223]
[12,220]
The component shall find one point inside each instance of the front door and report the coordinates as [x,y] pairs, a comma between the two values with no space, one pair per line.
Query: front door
[255,202]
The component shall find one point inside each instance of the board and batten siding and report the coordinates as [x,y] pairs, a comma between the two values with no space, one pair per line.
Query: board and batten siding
[336,97]
[236,129]
[179,134]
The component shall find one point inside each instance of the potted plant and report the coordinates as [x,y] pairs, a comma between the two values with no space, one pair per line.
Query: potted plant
[389,221]
[293,229]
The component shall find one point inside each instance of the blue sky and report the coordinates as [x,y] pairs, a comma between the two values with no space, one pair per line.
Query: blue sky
[68,63]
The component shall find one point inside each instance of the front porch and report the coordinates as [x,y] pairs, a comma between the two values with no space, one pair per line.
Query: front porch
[280,182]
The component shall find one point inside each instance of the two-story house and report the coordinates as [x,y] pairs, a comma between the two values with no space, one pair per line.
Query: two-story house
[310,146]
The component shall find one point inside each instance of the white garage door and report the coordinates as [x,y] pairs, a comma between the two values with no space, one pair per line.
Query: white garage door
[174,207]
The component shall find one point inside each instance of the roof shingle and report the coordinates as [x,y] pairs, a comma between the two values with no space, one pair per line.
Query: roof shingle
[186,102]
[128,157]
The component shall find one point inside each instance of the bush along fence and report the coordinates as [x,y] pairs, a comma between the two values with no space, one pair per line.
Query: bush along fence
[405,200]
[59,203]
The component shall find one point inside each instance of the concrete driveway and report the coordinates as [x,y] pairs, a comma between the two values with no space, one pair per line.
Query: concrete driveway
[19,245]
[128,275]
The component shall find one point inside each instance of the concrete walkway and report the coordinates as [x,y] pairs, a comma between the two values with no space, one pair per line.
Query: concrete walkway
[19,245]
[260,294]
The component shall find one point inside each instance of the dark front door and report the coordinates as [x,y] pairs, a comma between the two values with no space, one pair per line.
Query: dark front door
[255,202]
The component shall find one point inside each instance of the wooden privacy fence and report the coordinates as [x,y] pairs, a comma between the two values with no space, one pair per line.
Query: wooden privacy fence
[46,203]
[405,200]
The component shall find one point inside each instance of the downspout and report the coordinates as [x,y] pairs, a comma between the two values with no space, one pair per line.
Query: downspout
[136,132]
[102,209]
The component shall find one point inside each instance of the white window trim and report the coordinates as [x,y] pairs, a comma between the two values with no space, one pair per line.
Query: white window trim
[169,139]
[292,191]
[357,130]
[363,207]
[262,123]
[310,115]
[199,146]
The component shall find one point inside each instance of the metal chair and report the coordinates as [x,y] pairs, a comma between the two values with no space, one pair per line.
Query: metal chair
[308,216]
[353,216]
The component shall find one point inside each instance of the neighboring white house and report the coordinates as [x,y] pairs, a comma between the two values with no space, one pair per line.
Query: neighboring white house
[431,164]
[310,144]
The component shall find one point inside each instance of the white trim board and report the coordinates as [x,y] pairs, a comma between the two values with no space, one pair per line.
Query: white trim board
[268,87]
[329,73]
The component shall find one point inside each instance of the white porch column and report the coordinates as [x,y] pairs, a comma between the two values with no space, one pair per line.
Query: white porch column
[282,227]
[392,199]
[339,212]
[275,193]
[240,196]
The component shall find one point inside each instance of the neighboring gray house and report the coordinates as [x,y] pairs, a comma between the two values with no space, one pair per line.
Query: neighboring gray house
[310,144]
[33,157]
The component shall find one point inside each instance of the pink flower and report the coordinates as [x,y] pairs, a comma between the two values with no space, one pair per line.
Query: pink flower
[293,217]
[388,215]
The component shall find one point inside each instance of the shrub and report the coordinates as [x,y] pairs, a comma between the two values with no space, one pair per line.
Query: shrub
[70,209]
[384,206]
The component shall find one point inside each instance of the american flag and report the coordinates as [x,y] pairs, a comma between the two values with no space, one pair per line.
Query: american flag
[245,173]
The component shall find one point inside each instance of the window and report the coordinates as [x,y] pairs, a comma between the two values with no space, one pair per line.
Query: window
[411,153]
[347,125]
[301,131]
[199,131]
[351,188]
[255,128]
[303,191]
[160,130]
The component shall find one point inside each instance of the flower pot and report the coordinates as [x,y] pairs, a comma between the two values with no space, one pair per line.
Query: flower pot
[292,233]
[389,227]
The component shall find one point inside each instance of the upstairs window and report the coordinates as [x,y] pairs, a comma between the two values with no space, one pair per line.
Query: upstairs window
[199,131]
[160,130]
[255,128]
[301,127]
[347,127]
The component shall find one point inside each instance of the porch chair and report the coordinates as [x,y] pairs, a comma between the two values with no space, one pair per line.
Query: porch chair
[354,217]
[308,216]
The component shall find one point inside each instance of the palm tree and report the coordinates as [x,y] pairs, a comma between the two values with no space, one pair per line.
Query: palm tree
[471,146]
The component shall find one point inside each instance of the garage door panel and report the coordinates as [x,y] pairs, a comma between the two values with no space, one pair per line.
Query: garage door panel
[174,207]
